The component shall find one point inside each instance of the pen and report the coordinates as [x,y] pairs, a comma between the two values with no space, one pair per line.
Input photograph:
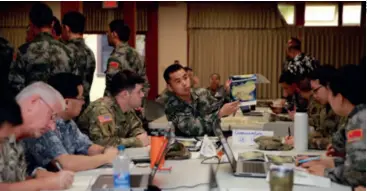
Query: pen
[289,131]
[58,165]
[308,160]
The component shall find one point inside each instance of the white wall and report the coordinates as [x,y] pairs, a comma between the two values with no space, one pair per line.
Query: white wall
[98,85]
[172,37]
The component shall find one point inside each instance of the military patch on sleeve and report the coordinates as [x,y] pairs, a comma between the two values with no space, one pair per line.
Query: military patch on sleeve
[354,135]
[104,118]
[114,64]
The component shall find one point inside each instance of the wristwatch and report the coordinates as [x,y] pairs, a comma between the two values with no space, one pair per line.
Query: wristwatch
[34,172]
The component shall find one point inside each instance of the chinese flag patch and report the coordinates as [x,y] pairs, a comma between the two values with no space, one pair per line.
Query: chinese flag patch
[114,64]
[355,135]
[104,118]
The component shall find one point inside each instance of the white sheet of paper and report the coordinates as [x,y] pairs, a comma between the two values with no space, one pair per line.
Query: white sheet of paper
[246,137]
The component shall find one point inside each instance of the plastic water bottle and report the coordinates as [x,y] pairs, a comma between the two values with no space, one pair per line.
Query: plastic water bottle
[121,171]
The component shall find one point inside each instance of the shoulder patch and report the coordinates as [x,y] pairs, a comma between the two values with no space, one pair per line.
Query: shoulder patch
[114,64]
[104,118]
[354,135]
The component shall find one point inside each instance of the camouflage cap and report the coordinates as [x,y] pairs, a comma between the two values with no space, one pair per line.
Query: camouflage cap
[272,143]
[178,152]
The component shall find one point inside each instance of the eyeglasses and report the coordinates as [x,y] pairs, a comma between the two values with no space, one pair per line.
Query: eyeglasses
[314,91]
[53,114]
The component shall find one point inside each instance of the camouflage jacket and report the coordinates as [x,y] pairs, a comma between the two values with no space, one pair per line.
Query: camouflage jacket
[86,64]
[6,58]
[326,125]
[313,112]
[12,161]
[107,125]
[351,170]
[298,102]
[302,64]
[123,57]
[65,139]
[195,118]
[39,59]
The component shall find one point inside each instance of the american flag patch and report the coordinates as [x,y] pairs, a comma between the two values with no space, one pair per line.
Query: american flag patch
[104,118]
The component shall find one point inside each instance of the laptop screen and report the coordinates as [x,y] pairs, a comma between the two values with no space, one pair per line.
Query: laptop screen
[218,132]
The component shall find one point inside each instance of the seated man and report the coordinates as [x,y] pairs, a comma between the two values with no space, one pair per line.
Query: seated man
[219,91]
[324,120]
[348,101]
[192,111]
[38,105]
[66,144]
[111,121]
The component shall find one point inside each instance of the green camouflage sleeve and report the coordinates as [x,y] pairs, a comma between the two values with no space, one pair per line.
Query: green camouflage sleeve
[338,139]
[103,130]
[113,66]
[89,74]
[353,171]
[136,126]
[139,62]
[17,74]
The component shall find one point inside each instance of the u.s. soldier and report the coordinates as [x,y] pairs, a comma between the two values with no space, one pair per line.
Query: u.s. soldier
[111,120]
[349,101]
[43,56]
[123,57]
[72,33]
[192,111]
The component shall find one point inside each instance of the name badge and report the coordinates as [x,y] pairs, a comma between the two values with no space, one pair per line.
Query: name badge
[246,137]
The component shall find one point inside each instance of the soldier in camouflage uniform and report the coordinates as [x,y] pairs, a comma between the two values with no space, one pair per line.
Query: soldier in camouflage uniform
[66,144]
[7,56]
[192,111]
[72,34]
[299,63]
[123,57]
[111,121]
[43,56]
[347,101]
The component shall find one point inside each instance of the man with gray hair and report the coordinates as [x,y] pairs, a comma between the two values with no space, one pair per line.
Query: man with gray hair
[39,103]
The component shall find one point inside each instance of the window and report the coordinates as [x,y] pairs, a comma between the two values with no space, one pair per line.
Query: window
[352,14]
[321,15]
[287,12]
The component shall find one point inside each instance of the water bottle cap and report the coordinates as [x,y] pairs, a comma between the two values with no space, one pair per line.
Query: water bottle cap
[121,147]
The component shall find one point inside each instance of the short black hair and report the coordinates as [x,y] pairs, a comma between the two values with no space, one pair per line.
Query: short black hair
[171,69]
[10,111]
[66,83]
[323,73]
[296,44]
[288,77]
[75,21]
[57,26]
[187,69]
[41,15]
[124,80]
[345,82]
[122,30]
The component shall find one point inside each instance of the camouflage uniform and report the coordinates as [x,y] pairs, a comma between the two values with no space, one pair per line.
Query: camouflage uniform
[195,118]
[162,98]
[6,58]
[107,125]
[39,59]
[328,124]
[12,161]
[297,101]
[86,64]
[351,170]
[123,57]
[302,64]
[65,139]
[338,139]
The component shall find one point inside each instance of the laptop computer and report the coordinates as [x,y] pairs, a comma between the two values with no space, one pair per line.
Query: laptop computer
[241,168]
[137,182]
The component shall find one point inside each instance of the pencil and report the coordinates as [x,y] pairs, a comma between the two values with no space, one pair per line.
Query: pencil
[289,131]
